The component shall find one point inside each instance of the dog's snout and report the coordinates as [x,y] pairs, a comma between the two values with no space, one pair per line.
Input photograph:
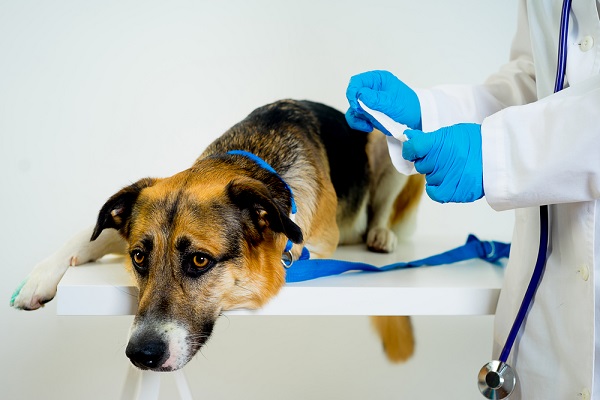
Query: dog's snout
[147,354]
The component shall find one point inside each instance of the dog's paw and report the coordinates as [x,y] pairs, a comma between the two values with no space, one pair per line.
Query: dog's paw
[381,240]
[31,295]
[39,287]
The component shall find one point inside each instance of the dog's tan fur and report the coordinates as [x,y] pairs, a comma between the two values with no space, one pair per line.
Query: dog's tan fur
[408,199]
[396,336]
[211,238]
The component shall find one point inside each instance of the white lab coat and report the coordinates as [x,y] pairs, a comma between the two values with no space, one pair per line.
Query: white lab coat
[544,150]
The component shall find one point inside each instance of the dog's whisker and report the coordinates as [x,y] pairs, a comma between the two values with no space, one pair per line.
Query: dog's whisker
[226,317]
[245,288]
[198,340]
[201,353]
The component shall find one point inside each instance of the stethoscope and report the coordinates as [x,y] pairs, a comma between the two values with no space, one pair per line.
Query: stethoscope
[497,379]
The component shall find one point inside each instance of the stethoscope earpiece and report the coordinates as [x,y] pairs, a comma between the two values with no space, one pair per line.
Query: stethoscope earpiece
[496,380]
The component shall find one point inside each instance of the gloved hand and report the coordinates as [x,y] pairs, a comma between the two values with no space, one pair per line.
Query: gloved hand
[451,160]
[381,91]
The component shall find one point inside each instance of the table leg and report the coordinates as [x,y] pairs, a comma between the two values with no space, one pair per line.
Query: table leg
[182,385]
[145,385]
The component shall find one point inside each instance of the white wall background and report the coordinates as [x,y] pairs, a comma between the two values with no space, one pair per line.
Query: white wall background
[97,94]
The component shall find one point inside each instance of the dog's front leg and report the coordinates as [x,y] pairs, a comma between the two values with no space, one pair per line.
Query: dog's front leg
[40,286]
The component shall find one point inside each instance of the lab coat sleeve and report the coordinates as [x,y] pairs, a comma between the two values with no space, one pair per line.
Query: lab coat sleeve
[547,152]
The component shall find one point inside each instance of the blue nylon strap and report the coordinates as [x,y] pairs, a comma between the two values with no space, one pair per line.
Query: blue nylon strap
[490,251]
[262,163]
[305,255]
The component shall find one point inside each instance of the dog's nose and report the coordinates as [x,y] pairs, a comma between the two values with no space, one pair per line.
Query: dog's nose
[147,354]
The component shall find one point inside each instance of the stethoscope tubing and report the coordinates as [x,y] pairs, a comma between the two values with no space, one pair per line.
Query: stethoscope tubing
[497,379]
[540,263]
[561,64]
[534,283]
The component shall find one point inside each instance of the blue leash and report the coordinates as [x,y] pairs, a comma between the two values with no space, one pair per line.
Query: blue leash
[490,251]
[305,269]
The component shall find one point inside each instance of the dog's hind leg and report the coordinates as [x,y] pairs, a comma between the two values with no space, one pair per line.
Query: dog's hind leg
[396,337]
[384,186]
[40,285]
[394,198]
[380,236]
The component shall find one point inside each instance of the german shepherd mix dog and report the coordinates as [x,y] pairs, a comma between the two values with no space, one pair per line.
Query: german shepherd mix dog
[211,238]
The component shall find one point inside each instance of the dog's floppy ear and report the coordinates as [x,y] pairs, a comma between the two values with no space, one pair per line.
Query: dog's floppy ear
[116,211]
[264,211]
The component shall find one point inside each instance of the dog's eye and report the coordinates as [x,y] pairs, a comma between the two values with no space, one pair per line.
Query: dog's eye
[197,264]
[200,261]
[139,259]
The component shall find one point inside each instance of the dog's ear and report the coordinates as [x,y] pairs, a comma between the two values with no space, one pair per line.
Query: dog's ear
[116,211]
[254,198]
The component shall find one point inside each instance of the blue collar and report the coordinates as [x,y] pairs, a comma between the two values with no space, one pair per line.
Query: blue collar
[263,164]
[286,259]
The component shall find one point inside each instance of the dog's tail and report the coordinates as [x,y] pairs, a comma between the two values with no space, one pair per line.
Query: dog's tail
[396,332]
[396,337]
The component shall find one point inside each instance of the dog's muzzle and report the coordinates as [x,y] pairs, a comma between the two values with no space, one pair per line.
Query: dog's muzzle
[147,353]
[159,346]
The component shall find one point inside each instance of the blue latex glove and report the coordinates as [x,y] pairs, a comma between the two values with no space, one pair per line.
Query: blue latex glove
[381,91]
[451,160]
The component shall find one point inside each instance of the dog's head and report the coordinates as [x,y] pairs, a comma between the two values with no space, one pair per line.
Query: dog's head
[200,242]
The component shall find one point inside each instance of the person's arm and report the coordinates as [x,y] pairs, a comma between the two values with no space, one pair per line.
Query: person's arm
[547,152]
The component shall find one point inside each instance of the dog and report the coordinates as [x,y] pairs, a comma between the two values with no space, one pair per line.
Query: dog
[211,238]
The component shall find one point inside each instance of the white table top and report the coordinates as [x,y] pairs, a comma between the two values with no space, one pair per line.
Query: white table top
[466,288]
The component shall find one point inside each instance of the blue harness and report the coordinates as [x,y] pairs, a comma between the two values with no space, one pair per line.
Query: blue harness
[305,269]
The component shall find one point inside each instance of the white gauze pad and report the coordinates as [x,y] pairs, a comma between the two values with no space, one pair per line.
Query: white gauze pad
[395,141]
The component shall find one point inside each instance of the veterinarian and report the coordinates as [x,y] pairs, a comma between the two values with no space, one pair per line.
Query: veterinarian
[517,143]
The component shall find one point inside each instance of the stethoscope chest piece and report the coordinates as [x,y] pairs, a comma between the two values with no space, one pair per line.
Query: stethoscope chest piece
[496,380]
